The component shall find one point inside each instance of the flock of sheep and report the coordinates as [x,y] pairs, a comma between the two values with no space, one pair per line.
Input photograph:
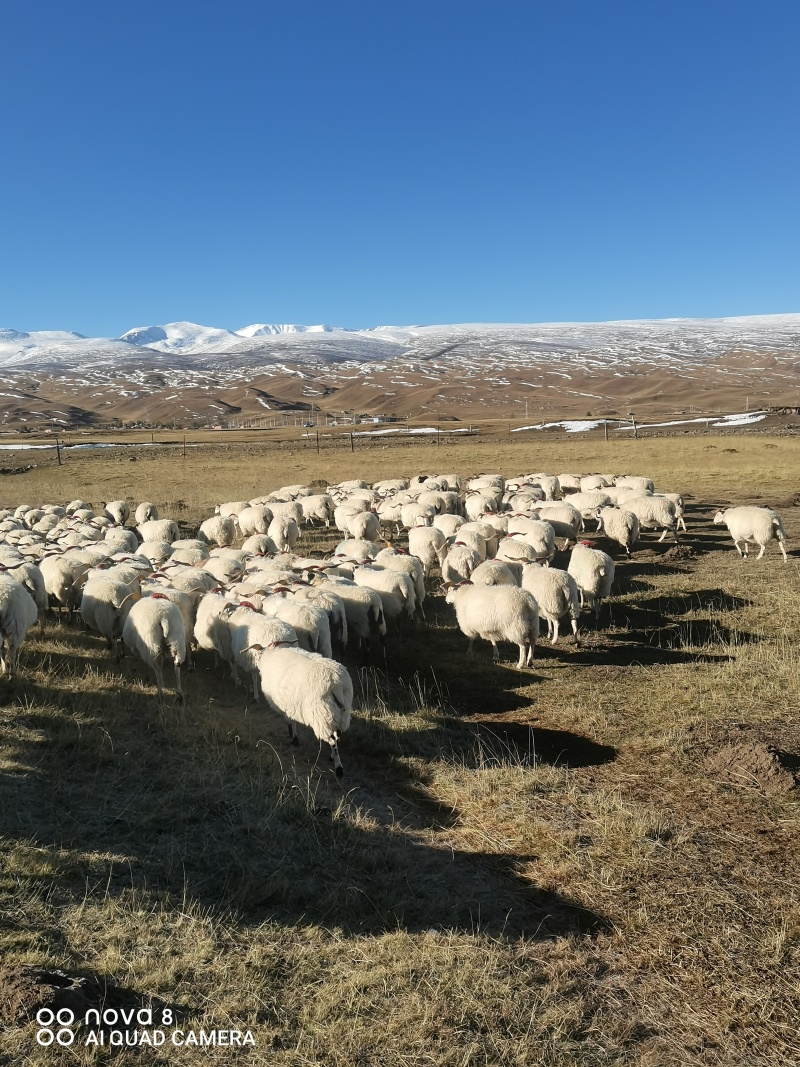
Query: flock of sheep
[278,619]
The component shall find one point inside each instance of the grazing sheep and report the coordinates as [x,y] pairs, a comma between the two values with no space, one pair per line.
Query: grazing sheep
[458,564]
[218,530]
[145,512]
[105,605]
[497,613]
[493,572]
[254,520]
[154,629]
[29,575]
[117,511]
[427,544]
[752,525]
[588,501]
[317,508]
[632,481]
[396,559]
[233,507]
[284,532]
[259,545]
[448,524]
[251,632]
[311,690]
[618,525]
[63,580]
[308,620]
[18,613]
[356,550]
[593,572]
[364,526]
[653,513]
[363,609]
[556,593]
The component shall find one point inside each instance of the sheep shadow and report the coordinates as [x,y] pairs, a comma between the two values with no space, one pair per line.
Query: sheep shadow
[217,808]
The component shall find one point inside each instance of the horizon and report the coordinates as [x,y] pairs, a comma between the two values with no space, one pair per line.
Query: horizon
[313,327]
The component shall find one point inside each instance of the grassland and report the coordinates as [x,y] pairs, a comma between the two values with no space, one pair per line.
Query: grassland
[591,862]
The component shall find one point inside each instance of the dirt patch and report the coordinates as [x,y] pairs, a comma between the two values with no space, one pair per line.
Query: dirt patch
[26,990]
[678,553]
[755,764]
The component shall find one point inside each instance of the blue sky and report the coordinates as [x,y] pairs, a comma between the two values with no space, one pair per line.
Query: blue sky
[360,162]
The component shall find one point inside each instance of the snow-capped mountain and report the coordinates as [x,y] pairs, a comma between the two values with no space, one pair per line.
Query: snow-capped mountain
[262,329]
[465,370]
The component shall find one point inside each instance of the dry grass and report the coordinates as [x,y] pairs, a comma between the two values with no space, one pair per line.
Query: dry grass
[541,867]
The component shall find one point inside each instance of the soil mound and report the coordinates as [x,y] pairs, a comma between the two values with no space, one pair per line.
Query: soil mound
[755,764]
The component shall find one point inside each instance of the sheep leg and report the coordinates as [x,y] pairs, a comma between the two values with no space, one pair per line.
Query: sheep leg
[178,690]
[554,623]
[333,741]
[159,679]
[531,650]
[255,676]
[782,547]
[495,653]
[761,553]
[575,630]
[469,646]
[293,733]
[522,657]
[663,534]
[737,547]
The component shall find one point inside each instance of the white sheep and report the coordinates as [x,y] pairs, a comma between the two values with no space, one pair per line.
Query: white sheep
[145,512]
[752,525]
[556,593]
[448,524]
[254,520]
[63,580]
[284,531]
[311,690]
[364,526]
[363,609]
[493,572]
[117,511]
[427,544]
[29,575]
[396,559]
[458,564]
[154,630]
[18,613]
[251,632]
[317,508]
[259,545]
[593,572]
[619,525]
[218,530]
[395,589]
[653,513]
[308,620]
[497,613]
[680,508]
[232,507]
[105,605]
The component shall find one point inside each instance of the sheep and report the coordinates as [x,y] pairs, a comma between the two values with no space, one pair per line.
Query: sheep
[154,628]
[590,482]
[356,550]
[156,551]
[363,608]
[29,575]
[18,613]
[331,603]
[308,620]
[448,524]
[117,511]
[311,690]
[290,509]
[390,585]
[632,481]
[680,507]
[593,572]
[211,629]
[478,501]
[618,525]
[254,520]
[560,512]
[251,632]
[318,507]
[396,559]
[534,532]
[493,572]
[233,507]
[458,564]
[187,601]
[218,530]
[63,580]
[470,539]
[416,514]
[159,530]
[284,532]
[259,545]
[753,525]
[557,595]
[654,512]
[427,544]
[122,540]
[497,613]
[364,526]
[223,570]
[145,512]
[588,501]
[105,605]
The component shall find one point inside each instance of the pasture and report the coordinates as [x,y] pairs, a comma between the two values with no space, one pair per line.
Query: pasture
[592,861]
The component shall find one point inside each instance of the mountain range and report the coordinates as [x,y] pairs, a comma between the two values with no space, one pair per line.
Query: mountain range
[193,374]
